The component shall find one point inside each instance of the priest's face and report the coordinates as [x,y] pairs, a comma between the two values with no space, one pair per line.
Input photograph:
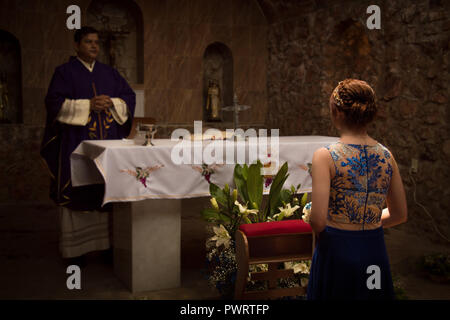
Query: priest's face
[88,47]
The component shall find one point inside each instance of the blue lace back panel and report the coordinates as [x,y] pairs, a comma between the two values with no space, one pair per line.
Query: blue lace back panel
[358,191]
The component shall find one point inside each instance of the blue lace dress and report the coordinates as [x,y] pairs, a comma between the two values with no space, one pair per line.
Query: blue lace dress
[354,264]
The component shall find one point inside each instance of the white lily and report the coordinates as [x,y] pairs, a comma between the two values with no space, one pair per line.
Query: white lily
[243,209]
[221,236]
[289,265]
[298,267]
[285,212]
[301,267]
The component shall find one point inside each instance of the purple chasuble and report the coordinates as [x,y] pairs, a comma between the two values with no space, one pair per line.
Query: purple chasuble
[73,80]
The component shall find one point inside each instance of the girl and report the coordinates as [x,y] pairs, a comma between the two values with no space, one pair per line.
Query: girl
[351,182]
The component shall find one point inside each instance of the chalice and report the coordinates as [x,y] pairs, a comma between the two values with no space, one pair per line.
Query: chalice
[149,130]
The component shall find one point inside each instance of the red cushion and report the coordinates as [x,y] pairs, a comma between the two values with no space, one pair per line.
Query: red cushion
[275,227]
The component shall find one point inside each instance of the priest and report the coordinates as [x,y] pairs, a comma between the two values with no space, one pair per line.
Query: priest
[86,100]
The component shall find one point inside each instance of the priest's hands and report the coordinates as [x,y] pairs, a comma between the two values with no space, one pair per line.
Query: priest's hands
[100,103]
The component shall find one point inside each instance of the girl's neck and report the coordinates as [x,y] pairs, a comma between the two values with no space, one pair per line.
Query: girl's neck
[356,137]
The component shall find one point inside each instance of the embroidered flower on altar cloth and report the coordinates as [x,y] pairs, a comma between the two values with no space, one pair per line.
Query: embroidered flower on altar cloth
[207,170]
[221,236]
[268,178]
[142,174]
[267,182]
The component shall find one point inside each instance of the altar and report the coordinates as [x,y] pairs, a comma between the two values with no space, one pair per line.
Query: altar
[146,186]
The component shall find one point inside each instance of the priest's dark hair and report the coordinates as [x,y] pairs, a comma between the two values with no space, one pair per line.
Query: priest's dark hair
[83,31]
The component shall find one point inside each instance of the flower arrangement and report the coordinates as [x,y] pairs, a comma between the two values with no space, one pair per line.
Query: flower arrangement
[246,204]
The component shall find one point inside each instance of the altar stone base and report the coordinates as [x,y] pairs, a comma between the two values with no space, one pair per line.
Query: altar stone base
[147,240]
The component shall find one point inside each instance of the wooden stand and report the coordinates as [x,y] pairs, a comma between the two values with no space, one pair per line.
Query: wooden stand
[271,250]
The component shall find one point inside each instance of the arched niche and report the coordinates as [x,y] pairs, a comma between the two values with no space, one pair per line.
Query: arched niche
[10,79]
[120,24]
[218,67]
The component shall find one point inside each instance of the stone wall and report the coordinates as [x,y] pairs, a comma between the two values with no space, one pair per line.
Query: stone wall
[24,177]
[313,45]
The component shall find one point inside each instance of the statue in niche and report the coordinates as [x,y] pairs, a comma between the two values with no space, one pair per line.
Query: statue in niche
[3,98]
[213,101]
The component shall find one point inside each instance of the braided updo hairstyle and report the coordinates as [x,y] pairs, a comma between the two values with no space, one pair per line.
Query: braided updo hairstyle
[356,99]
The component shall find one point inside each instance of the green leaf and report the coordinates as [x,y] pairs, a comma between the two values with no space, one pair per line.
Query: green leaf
[304,199]
[247,220]
[241,183]
[226,220]
[285,196]
[281,175]
[275,203]
[275,188]
[255,184]
[293,190]
[226,189]
[210,214]
[218,193]
[245,172]
[238,170]
[280,217]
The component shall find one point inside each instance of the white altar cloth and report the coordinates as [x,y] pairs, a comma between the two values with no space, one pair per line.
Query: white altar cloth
[147,234]
[116,163]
